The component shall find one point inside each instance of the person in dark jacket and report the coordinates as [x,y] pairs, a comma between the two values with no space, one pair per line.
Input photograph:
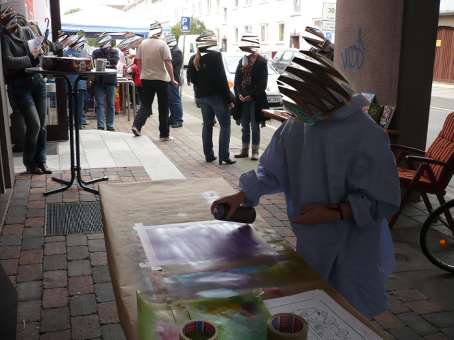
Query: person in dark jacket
[27,91]
[251,80]
[206,72]
[175,107]
[105,85]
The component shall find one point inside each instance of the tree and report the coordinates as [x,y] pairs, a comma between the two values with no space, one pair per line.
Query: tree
[197,27]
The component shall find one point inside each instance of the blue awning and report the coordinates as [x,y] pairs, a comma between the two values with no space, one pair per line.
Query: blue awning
[99,29]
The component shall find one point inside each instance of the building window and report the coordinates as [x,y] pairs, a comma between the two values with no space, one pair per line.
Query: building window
[248,29]
[297,5]
[248,3]
[281,32]
[264,32]
[236,34]
[236,3]
[225,15]
[208,6]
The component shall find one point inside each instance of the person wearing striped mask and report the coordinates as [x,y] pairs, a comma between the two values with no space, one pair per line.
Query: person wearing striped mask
[175,107]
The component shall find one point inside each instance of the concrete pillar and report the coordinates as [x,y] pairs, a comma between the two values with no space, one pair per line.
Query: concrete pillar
[387,47]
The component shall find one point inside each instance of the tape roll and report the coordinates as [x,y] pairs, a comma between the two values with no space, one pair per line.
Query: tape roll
[198,329]
[286,326]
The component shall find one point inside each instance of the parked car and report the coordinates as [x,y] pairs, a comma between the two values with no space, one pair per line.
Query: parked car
[273,95]
[283,58]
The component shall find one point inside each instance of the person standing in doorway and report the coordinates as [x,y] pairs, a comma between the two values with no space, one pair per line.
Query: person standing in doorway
[213,95]
[175,107]
[251,80]
[27,91]
[156,72]
[105,85]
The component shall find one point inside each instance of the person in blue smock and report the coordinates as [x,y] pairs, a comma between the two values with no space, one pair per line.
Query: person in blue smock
[76,48]
[339,177]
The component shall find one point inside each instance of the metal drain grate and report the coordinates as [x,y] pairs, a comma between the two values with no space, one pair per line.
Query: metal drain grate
[73,217]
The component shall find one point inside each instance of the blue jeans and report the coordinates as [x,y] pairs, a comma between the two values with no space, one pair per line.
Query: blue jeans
[249,123]
[215,106]
[175,107]
[30,97]
[81,106]
[105,93]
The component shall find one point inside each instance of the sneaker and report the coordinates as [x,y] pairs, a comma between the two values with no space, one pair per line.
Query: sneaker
[165,139]
[100,128]
[44,168]
[111,129]
[176,125]
[135,131]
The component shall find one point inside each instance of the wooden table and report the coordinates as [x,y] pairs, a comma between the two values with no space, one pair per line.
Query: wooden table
[165,202]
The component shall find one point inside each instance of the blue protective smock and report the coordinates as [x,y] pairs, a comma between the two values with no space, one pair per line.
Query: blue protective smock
[345,158]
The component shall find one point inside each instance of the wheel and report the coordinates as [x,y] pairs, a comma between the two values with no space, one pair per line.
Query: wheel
[437,237]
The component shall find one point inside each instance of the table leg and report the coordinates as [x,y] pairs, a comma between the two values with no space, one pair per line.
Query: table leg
[133,101]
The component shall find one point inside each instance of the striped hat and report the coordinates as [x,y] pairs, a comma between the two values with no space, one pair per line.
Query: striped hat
[104,40]
[312,85]
[320,44]
[8,18]
[249,43]
[131,42]
[206,40]
[155,30]
[63,39]
[80,43]
[171,41]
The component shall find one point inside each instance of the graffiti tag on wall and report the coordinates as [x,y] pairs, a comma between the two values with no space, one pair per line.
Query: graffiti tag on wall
[353,56]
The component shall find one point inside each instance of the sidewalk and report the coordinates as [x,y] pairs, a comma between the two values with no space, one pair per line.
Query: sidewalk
[63,283]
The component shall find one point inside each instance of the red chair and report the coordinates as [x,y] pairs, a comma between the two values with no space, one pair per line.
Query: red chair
[429,172]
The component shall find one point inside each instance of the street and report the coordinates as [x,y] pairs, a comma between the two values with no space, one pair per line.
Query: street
[442,104]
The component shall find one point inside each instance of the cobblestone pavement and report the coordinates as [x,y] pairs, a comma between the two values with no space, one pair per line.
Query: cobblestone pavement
[63,283]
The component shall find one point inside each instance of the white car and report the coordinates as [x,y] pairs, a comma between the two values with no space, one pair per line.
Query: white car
[273,95]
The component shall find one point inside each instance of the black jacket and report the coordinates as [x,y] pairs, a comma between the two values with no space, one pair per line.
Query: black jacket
[112,55]
[257,88]
[177,63]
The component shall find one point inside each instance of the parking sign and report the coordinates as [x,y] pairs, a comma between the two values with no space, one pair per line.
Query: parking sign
[185,24]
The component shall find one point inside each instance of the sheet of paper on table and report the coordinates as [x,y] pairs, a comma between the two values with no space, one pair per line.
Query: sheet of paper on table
[327,319]
[204,241]
[35,43]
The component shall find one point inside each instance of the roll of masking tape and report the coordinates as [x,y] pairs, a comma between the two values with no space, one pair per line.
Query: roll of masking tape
[198,330]
[286,326]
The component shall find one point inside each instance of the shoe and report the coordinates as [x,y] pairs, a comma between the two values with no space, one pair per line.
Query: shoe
[210,159]
[85,123]
[255,152]
[34,170]
[226,161]
[44,168]
[100,128]
[111,129]
[165,139]
[135,131]
[255,157]
[244,152]
[176,125]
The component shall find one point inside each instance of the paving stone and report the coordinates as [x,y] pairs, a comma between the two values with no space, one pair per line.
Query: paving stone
[32,243]
[417,323]
[113,332]
[80,285]
[60,335]
[408,295]
[54,262]
[55,248]
[33,212]
[32,232]
[82,305]
[55,239]
[55,297]
[104,292]
[12,252]
[10,240]
[387,320]
[34,222]
[107,312]
[86,327]
[54,319]
[31,256]
[77,253]
[79,268]
[28,311]
[424,306]
[95,236]
[96,245]
[101,274]
[13,229]
[27,291]
[440,319]
[404,333]
[10,266]
[27,331]
[73,240]
[98,259]
[55,279]
[36,205]
[29,272]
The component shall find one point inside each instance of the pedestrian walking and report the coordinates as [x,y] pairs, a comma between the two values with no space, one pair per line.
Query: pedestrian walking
[105,85]
[175,107]
[26,91]
[251,80]
[206,72]
[156,72]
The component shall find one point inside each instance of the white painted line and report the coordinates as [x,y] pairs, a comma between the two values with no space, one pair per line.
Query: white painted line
[441,108]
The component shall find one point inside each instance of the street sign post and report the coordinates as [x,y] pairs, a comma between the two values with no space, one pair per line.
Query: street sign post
[185,24]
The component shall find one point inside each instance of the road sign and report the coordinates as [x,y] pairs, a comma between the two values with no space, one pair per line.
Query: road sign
[185,24]
[329,26]
[329,11]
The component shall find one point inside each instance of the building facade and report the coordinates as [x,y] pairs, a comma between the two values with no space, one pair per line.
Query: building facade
[278,23]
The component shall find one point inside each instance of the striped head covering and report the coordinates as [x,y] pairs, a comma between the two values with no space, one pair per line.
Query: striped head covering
[8,19]
[63,39]
[155,30]
[131,42]
[311,85]
[249,43]
[206,40]
[80,43]
[171,41]
[104,40]
[320,44]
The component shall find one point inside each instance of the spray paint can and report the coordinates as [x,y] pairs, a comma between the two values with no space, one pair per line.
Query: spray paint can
[245,215]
